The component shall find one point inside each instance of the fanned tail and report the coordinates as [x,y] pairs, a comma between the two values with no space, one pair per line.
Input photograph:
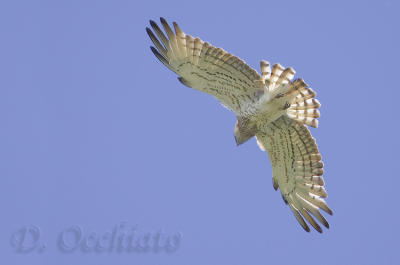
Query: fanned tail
[295,97]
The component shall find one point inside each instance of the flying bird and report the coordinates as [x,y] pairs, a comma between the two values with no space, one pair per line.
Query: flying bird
[270,106]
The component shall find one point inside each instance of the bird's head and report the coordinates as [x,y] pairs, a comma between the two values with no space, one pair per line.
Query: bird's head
[241,135]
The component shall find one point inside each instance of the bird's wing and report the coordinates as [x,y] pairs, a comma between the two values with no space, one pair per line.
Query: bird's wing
[205,67]
[297,169]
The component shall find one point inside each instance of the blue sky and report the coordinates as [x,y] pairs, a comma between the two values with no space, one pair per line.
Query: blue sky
[96,133]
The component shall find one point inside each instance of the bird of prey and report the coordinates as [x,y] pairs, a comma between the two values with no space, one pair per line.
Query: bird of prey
[270,106]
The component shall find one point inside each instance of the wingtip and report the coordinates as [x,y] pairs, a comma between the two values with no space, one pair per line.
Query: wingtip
[152,23]
[156,53]
[163,21]
[275,185]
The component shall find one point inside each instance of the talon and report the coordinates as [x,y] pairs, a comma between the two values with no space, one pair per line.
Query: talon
[287,105]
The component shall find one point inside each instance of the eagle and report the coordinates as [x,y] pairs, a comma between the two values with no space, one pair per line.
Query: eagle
[272,107]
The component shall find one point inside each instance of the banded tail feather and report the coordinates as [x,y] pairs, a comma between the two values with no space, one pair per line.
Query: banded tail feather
[276,71]
[276,80]
[304,107]
[265,70]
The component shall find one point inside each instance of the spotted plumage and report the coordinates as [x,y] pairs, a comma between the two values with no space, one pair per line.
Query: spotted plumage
[270,106]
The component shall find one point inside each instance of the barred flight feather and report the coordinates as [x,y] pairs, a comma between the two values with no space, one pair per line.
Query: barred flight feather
[201,64]
[297,169]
